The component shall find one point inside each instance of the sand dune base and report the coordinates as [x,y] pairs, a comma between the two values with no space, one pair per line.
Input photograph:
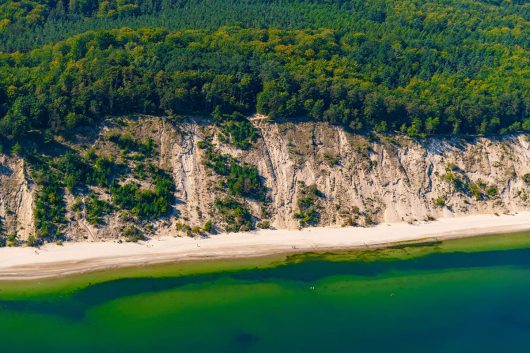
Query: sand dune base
[53,260]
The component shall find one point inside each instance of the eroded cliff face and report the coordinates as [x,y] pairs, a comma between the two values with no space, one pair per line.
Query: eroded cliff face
[16,197]
[360,180]
[393,179]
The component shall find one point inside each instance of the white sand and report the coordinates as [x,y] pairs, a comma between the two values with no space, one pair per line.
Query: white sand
[53,260]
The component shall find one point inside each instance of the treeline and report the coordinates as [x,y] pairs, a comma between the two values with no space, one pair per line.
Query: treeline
[320,74]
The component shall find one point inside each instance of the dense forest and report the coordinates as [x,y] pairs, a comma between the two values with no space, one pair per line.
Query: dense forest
[418,67]
[27,23]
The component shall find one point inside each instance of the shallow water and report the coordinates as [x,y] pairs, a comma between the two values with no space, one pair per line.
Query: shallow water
[457,299]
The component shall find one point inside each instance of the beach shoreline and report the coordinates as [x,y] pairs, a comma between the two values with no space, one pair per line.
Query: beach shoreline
[52,261]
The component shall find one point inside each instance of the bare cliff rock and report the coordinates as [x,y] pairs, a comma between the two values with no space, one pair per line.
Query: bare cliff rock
[16,197]
[361,180]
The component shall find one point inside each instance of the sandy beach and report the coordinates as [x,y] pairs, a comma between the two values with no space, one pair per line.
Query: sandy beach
[53,260]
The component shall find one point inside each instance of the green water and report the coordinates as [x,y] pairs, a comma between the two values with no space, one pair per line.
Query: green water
[462,296]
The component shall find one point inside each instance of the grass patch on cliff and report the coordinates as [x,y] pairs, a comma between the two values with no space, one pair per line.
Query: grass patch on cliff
[238,179]
[146,203]
[3,240]
[127,144]
[236,216]
[96,209]
[239,133]
[50,207]
[480,190]
[132,234]
[245,181]
[308,204]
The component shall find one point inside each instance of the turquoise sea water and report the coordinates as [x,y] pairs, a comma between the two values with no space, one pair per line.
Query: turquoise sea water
[431,299]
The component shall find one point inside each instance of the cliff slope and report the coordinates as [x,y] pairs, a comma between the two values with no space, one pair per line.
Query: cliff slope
[342,178]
